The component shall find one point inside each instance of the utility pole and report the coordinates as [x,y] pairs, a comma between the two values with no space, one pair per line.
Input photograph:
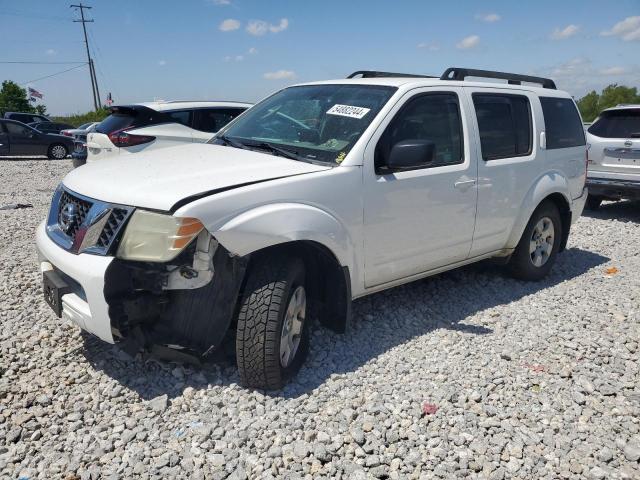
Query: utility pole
[94,80]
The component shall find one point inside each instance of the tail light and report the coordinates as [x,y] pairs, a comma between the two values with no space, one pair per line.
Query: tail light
[121,138]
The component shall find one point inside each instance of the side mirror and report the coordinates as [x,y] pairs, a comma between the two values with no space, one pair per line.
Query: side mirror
[410,155]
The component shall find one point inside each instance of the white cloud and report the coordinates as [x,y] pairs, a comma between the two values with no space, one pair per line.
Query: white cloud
[253,51]
[613,71]
[229,25]
[566,32]
[239,58]
[260,27]
[227,58]
[628,29]
[51,51]
[220,2]
[162,63]
[488,17]
[280,75]
[432,47]
[283,25]
[468,42]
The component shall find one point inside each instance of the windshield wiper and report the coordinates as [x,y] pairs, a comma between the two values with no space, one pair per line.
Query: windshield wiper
[233,143]
[278,151]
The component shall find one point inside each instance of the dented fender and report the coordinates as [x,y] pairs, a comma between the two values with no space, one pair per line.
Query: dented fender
[273,224]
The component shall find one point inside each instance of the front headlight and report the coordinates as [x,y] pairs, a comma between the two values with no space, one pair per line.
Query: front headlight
[154,237]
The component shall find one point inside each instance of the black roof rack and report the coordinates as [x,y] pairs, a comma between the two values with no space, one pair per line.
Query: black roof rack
[376,74]
[457,73]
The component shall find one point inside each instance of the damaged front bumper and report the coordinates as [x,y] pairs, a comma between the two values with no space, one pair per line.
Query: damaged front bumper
[186,305]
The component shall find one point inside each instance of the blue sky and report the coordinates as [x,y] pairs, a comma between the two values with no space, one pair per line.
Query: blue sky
[245,49]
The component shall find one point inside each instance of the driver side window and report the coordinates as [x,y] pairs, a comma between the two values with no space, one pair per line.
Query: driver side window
[15,129]
[432,117]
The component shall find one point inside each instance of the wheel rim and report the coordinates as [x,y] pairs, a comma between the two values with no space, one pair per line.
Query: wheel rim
[292,326]
[541,244]
[59,151]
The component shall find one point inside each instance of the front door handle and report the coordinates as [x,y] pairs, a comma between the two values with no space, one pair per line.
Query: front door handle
[464,183]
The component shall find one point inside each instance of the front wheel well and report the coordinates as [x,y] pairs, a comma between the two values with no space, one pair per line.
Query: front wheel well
[328,282]
[563,207]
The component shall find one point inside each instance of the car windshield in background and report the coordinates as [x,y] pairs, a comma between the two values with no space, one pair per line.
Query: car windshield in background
[310,122]
[623,123]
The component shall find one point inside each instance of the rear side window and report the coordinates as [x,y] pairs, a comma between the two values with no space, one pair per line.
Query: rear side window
[129,117]
[624,123]
[180,116]
[505,125]
[563,127]
[213,119]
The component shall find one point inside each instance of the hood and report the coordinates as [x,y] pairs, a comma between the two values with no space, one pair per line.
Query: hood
[160,178]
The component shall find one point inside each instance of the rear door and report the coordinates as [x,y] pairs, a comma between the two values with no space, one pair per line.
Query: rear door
[506,121]
[614,145]
[4,139]
[207,121]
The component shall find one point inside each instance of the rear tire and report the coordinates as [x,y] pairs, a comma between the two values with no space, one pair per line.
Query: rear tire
[536,252]
[273,318]
[57,151]
[593,202]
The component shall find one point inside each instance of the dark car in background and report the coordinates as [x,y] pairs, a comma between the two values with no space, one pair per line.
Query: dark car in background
[26,117]
[50,127]
[18,139]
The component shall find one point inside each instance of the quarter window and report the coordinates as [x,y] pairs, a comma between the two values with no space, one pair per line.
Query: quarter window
[213,119]
[505,126]
[181,116]
[434,117]
[563,126]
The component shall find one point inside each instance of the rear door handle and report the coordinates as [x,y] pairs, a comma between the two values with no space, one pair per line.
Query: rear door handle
[464,183]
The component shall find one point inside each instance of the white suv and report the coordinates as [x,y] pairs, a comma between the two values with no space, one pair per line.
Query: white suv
[614,155]
[145,126]
[322,193]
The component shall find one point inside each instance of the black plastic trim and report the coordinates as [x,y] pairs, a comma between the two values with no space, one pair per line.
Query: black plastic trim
[460,74]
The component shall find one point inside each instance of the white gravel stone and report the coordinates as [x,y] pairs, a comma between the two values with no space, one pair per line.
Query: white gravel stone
[530,380]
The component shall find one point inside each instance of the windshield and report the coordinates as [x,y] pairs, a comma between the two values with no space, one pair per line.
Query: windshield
[312,122]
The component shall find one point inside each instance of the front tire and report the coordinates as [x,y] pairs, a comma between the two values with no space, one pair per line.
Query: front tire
[538,248]
[57,151]
[272,338]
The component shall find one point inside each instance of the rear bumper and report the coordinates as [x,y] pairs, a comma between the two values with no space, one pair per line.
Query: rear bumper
[86,305]
[614,189]
[577,204]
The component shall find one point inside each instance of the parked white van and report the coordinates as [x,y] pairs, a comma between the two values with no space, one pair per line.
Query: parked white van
[321,193]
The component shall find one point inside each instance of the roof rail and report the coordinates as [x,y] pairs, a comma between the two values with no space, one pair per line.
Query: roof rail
[376,74]
[457,73]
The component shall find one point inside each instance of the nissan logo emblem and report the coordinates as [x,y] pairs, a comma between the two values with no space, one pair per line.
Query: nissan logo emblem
[68,217]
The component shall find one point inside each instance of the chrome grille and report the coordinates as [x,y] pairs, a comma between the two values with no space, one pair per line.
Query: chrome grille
[81,206]
[116,218]
[84,225]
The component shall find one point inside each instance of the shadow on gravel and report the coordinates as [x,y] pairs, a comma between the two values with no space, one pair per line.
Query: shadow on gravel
[624,211]
[381,322]
[30,159]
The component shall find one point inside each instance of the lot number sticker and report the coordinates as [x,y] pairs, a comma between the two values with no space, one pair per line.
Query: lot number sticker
[348,111]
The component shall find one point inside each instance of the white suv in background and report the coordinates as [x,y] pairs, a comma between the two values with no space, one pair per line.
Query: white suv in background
[145,126]
[320,194]
[614,155]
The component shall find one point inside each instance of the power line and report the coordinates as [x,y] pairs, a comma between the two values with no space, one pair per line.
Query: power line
[92,74]
[54,74]
[46,63]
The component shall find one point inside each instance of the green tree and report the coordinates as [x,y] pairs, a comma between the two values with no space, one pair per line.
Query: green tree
[41,109]
[588,106]
[13,98]
[593,103]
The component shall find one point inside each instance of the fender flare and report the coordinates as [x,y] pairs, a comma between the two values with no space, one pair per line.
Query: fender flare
[548,184]
[273,224]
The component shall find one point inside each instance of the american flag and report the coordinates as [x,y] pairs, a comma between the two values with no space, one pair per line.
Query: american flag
[33,93]
[109,99]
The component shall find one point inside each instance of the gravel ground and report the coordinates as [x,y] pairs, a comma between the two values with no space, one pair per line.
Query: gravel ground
[469,374]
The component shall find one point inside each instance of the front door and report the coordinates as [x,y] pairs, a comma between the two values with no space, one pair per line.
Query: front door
[421,219]
[24,140]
